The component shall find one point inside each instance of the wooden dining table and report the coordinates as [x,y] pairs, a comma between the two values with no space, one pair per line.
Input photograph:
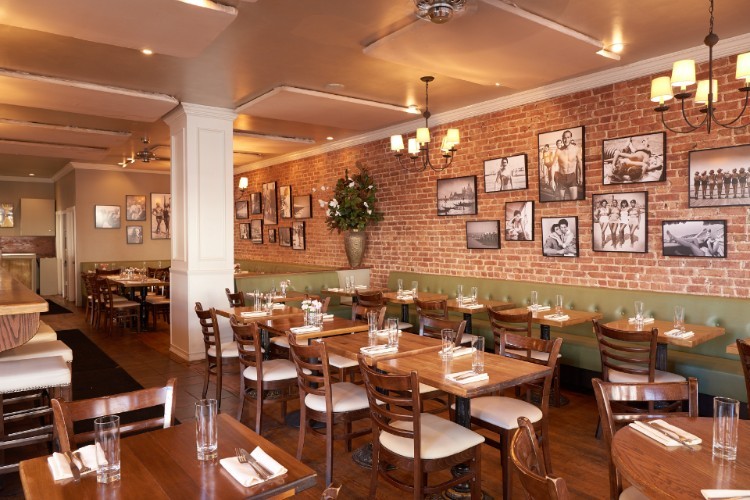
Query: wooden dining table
[702,333]
[469,310]
[275,313]
[131,285]
[332,327]
[546,320]
[406,300]
[162,464]
[349,346]
[680,472]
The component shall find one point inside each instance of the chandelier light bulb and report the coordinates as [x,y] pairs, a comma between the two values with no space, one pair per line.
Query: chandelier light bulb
[397,143]
[683,73]
[661,89]
[701,95]
[743,67]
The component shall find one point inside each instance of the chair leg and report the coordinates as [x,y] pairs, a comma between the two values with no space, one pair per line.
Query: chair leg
[375,469]
[258,411]
[505,463]
[329,451]
[476,468]
[349,440]
[302,428]
[205,379]
[242,397]
[219,369]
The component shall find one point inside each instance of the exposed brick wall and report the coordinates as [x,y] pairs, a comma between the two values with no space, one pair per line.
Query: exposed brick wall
[413,238]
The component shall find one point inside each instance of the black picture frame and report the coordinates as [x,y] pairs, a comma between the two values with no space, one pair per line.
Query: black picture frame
[457,196]
[135,207]
[506,173]
[285,236]
[625,226]
[134,234]
[298,235]
[303,206]
[256,231]
[694,238]
[483,234]
[551,146]
[272,235]
[703,167]
[270,213]
[560,243]
[256,203]
[519,220]
[161,211]
[635,159]
[107,216]
[241,210]
[244,230]
[285,202]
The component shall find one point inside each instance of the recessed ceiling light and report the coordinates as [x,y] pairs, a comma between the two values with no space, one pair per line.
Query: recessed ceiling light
[329,138]
[497,84]
[148,52]
[32,175]
[617,47]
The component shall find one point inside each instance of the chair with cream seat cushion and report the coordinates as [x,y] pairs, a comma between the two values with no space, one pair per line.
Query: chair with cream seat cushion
[217,352]
[374,298]
[44,333]
[528,461]
[500,414]
[416,442]
[260,379]
[614,401]
[326,402]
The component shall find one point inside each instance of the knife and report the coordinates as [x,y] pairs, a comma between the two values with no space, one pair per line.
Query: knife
[670,434]
[73,467]
[262,471]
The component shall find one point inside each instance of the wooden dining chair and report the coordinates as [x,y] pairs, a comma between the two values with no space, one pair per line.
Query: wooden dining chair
[88,280]
[415,442]
[236,299]
[499,414]
[107,272]
[261,381]
[743,348]
[217,352]
[528,460]
[432,326]
[432,308]
[158,303]
[626,395]
[343,367]
[116,310]
[67,413]
[333,404]
[520,323]
[369,298]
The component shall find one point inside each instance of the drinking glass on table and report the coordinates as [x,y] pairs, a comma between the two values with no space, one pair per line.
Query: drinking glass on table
[534,299]
[414,288]
[393,332]
[354,284]
[206,431]
[726,423]
[558,304]
[372,324]
[679,318]
[447,335]
[474,294]
[477,355]
[460,294]
[107,441]
[400,286]
[639,313]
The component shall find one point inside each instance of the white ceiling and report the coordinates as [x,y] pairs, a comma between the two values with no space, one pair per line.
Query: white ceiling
[74,85]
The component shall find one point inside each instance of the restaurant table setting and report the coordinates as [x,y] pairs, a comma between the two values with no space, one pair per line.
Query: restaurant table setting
[82,460]
[252,468]
[378,350]
[665,433]
[304,329]
[726,494]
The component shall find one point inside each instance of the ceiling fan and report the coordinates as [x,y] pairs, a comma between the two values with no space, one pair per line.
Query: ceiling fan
[147,154]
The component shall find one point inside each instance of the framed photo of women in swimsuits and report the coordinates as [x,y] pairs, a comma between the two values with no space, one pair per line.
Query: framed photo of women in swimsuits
[694,238]
[562,170]
[620,222]
[506,173]
[638,158]
[719,177]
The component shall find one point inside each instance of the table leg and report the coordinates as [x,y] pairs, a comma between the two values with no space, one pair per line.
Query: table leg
[144,312]
[661,356]
[467,318]
[405,313]
[544,332]
[463,418]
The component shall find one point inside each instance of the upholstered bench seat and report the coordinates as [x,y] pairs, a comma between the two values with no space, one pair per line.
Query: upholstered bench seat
[31,350]
[34,373]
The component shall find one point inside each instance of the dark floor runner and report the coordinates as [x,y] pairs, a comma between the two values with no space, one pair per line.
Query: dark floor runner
[55,308]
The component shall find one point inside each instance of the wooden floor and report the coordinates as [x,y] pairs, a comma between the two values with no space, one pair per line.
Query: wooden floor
[576,454]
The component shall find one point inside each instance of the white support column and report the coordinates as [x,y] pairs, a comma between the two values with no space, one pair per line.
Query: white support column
[202,222]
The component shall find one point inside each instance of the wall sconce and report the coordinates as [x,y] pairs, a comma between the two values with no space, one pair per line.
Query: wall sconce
[242,186]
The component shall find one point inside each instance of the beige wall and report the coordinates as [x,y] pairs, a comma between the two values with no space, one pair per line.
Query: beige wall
[11,191]
[65,191]
[99,187]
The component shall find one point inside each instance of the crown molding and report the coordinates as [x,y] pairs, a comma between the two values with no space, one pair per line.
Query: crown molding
[186,109]
[725,48]
[112,168]
[42,180]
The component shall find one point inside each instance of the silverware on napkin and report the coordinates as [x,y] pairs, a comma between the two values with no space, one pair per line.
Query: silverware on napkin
[670,434]
[73,467]
[259,468]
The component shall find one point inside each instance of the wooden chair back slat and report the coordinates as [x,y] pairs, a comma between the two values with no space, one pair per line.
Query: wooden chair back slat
[528,460]
[431,326]
[432,308]
[625,351]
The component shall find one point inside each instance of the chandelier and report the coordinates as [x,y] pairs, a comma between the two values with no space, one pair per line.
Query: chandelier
[419,147]
[683,75]
[437,11]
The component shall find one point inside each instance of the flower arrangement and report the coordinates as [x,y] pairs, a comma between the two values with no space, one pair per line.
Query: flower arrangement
[311,304]
[353,203]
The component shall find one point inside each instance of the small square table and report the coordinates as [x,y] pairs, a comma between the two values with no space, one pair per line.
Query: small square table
[393,298]
[469,310]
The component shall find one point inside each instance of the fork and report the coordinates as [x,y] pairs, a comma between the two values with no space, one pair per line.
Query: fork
[242,457]
[82,467]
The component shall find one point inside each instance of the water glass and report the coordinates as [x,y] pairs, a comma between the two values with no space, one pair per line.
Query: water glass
[348,283]
[107,440]
[206,432]
[534,299]
[256,300]
[447,335]
[283,288]
[679,318]
[400,285]
[474,294]
[460,293]
[726,422]
[558,304]
[372,324]
[393,332]
[352,281]
[414,287]
[477,355]
[638,311]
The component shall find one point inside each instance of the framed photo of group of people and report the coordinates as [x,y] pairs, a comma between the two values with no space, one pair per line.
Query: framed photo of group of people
[109,216]
[620,222]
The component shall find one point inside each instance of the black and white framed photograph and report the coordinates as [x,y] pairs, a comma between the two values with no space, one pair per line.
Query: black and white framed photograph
[245,231]
[270,216]
[638,158]
[134,235]
[256,231]
[620,222]
[135,207]
[272,236]
[457,196]
[483,234]
[694,238]
[719,177]
[303,206]
[161,212]
[298,235]
[107,216]
[240,210]
[285,236]
[256,204]
[507,173]
[560,236]
[285,202]
[561,165]
[519,221]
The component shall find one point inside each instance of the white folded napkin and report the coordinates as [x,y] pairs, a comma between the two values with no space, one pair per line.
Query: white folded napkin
[328,317]
[245,474]
[679,335]
[361,287]
[462,351]
[279,306]
[691,439]
[473,306]
[377,350]
[384,333]
[663,439]
[58,463]
[466,300]
[538,307]
[646,321]
[253,314]
[558,317]
[459,378]
[719,494]
[304,329]
[334,289]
